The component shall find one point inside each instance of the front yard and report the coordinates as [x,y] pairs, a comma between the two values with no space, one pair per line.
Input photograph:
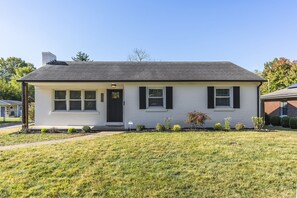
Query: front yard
[185,164]
[10,120]
[11,137]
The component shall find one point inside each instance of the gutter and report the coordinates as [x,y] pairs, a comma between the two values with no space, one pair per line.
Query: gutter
[258,99]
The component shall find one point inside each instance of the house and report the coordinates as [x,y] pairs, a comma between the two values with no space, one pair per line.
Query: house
[281,103]
[101,93]
[10,108]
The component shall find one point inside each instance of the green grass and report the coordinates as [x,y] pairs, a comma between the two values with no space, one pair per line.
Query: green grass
[11,137]
[10,120]
[195,164]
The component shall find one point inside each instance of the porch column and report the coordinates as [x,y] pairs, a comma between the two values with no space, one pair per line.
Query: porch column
[25,123]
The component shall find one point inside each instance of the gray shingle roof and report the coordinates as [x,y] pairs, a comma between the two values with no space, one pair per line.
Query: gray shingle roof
[71,71]
[10,102]
[281,94]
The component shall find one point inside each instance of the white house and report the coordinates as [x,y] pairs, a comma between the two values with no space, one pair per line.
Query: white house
[97,93]
[10,108]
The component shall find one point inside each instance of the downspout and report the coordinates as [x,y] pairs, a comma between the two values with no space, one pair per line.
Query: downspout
[258,99]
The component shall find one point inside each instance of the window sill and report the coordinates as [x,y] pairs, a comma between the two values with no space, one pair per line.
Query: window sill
[156,109]
[224,109]
[74,112]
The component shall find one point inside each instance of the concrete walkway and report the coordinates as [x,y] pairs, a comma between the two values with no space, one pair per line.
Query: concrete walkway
[86,137]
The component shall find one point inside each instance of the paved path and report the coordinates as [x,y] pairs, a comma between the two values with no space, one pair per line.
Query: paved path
[86,137]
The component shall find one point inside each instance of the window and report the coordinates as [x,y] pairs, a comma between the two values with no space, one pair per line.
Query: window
[90,100]
[284,108]
[60,100]
[222,97]
[75,100]
[155,97]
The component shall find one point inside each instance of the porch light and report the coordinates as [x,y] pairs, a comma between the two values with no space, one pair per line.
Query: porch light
[113,85]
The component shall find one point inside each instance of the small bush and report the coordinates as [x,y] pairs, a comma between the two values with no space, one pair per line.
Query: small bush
[293,123]
[176,128]
[160,127]
[140,127]
[196,118]
[86,129]
[258,122]
[227,124]
[285,122]
[218,126]
[168,123]
[275,120]
[239,126]
[71,130]
[44,130]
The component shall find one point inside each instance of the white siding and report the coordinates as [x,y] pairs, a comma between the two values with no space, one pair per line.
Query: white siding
[186,97]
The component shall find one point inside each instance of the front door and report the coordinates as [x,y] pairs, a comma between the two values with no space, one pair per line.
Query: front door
[114,105]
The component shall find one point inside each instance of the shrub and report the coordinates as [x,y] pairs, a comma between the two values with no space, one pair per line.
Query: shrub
[285,122]
[227,123]
[71,130]
[218,126]
[140,127]
[44,130]
[168,123]
[267,119]
[275,120]
[176,128]
[159,127]
[293,123]
[196,118]
[86,129]
[258,122]
[239,126]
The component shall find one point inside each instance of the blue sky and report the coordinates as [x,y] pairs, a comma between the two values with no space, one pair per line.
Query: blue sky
[248,33]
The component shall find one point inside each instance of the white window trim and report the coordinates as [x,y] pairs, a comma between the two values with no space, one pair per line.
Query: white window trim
[68,100]
[147,98]
[230,98]
[282,106]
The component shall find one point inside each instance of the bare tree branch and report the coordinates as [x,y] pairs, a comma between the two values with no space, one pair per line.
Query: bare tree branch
[139,55]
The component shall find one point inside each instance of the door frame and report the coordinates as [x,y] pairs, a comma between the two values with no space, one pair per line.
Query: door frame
[107,105]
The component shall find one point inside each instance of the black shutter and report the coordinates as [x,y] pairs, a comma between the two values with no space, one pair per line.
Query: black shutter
[210,97]
[169,103]
[236,97]
[142,97]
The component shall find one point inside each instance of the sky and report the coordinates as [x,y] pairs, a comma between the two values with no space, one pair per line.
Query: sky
[248,33]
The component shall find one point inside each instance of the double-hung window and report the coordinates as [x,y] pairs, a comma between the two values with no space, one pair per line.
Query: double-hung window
[155,97]
[75,100]
[222,97]
[284,108]
[60,100]
[90,100]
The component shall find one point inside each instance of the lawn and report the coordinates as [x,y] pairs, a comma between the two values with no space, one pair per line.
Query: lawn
[10,120]
[11,137]
[186,164]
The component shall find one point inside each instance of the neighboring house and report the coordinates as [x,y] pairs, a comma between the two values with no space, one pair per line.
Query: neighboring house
[10,108]
[115,93]
[282,102]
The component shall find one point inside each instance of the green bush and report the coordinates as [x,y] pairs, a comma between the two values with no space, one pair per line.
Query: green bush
[217,126]
[44,130]
[293,123]
[71,130]
[176,128]
[258,122]
[140,127]
[160,127]
[227,123]
[275,120]
[239,126]
[285,122]
[86,129]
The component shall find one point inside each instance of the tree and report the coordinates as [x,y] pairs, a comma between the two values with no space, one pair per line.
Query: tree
[139,55]
[280,73]
[81,56]
[12,69]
